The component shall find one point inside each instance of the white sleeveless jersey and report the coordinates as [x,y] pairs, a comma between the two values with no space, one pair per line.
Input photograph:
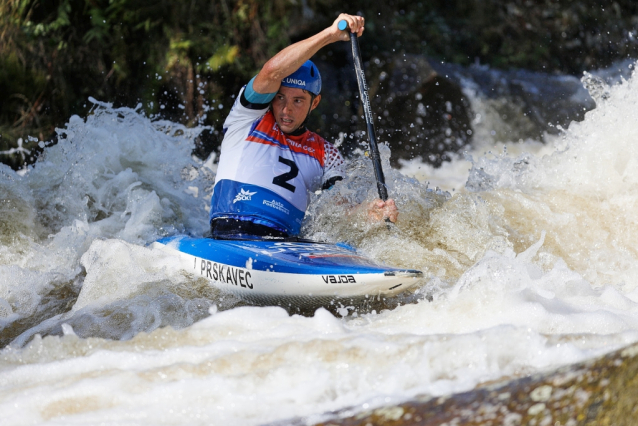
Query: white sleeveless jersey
[265,175]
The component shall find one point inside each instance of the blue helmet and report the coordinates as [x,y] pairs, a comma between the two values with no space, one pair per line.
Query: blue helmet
[307,77]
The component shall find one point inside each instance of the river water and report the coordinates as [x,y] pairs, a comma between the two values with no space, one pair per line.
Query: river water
[529,253]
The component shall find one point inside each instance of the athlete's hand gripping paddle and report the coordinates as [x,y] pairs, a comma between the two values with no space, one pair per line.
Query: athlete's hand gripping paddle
[363,94]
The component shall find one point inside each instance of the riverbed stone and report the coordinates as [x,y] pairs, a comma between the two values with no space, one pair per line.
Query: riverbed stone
[597,392]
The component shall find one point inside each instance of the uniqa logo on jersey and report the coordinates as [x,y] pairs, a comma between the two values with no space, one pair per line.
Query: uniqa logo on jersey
[300,146]
[294,81]
[243,196]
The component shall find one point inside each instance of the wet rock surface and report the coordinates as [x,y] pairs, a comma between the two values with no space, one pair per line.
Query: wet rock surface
[602,391]
[429,109]
[522,104]
[417,112]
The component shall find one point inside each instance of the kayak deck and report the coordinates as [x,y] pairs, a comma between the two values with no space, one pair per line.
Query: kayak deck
[289,272]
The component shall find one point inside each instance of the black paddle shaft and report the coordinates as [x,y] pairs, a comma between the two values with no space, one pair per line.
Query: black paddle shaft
[367,112]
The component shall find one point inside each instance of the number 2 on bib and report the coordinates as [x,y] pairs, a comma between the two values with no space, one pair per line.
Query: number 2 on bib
[282,180]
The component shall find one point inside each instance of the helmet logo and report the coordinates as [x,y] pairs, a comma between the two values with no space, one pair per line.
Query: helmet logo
[294,81]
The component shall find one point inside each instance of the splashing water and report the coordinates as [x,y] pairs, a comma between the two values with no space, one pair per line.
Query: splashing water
[112,183]
[532,265]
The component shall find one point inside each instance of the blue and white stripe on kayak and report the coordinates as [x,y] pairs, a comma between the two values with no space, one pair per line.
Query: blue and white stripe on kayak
[279,256]
[275,272]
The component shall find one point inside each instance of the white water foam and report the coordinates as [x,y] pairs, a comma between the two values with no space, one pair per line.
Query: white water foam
[530,267]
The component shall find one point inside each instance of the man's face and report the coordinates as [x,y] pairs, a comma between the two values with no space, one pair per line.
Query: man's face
[291,106]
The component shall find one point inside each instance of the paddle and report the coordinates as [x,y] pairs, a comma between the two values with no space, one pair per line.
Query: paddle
[365,100]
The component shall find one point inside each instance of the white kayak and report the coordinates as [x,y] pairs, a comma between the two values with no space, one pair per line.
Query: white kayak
[290,273]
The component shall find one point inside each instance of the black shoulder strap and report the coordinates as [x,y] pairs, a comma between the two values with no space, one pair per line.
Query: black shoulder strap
[330,182]
[247,104]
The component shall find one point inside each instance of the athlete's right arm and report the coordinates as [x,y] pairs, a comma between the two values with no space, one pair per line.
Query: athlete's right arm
[254,100]
[292,57]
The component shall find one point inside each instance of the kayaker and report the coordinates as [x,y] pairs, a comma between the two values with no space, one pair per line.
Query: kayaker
[269,160]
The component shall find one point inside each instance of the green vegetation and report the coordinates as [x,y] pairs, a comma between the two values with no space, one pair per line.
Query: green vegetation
[185,60]
[175,57]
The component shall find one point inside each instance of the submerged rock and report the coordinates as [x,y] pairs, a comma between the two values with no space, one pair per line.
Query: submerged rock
[416,111]
[602,391]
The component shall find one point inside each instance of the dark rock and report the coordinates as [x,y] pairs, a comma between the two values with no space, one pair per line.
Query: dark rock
[430,109]
[206,142]
[602,391]
[417,112]
[531,103]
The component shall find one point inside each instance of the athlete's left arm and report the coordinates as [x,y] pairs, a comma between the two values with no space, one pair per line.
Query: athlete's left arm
[334,170]
[379,210]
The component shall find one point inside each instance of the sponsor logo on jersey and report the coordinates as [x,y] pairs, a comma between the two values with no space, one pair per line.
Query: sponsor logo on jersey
[295,81]
[277,206]
[268,133]
[243,196]
[300,146]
